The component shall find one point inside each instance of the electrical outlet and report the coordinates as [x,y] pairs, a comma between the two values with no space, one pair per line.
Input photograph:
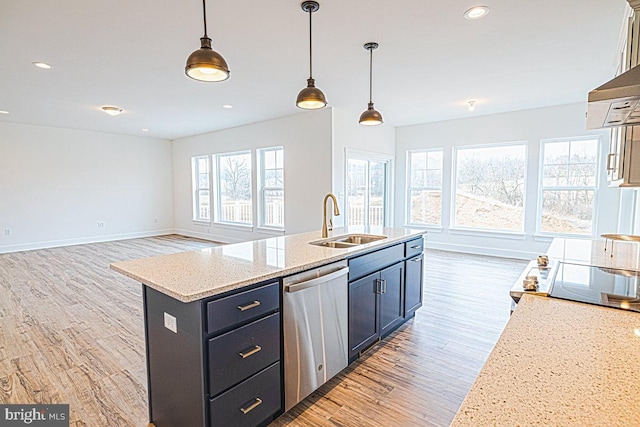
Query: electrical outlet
[170,323]
[7,232]
[155,220]
[100,224]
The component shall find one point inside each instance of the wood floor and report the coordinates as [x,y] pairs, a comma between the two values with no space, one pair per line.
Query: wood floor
[72,332]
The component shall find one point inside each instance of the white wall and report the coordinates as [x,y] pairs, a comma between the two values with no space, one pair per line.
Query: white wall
[306,138]
[55,184]
[348,134]
[530,125]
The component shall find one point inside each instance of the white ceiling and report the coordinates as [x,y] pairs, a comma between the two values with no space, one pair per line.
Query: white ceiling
[431,61]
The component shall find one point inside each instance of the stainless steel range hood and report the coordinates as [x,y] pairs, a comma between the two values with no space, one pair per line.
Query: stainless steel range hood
[616,103]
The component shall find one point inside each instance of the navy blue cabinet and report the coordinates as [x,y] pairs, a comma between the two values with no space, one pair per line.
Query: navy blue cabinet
[385,289]
[220,365]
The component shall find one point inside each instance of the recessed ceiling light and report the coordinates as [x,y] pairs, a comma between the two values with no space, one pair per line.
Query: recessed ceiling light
[145,130]
[227,106]
[112,111]
[42,65]
[477,12]
[4,112]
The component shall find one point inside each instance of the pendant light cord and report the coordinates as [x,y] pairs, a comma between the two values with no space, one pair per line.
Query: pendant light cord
[310,47]
[370,75]
[204,14]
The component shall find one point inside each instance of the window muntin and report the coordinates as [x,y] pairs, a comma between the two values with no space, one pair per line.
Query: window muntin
[568,185]
[424,189]
[234,202]
[271,184]
[489,187]
[201,188]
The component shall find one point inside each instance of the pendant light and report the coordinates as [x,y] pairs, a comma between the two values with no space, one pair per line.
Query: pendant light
[371,117]
[205,64]
[311,98]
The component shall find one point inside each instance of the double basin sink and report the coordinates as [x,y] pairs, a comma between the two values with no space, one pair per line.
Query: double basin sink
[347,240]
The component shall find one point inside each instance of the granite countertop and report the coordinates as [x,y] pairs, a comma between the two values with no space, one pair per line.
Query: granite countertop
[559,363]
[626,255]
[193,275]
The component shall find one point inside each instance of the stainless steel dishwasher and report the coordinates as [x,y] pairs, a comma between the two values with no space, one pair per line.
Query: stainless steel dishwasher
[315,329]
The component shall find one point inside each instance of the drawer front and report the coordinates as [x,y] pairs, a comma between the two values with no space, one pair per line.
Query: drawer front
[242,307]
[374,261]
[413,247]
[250,403]
[242,352]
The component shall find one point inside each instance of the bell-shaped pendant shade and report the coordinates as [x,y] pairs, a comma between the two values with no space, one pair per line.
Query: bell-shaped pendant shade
[311,98]
[371,117]
[207,65]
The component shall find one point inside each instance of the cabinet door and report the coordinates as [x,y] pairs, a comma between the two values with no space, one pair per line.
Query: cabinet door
[392,297]
[413,285]
[363,316]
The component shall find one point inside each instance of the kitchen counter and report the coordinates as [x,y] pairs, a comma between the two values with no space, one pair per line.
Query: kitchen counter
[194,275]
[626,255]
[559,363]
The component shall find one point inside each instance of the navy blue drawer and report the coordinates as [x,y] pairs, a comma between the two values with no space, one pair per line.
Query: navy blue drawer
[250,403]
[374,261]
[413,247]
[242,307]
[242,352]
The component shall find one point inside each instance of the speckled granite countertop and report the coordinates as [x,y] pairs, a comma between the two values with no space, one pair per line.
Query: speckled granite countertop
[193,275]
[559,363]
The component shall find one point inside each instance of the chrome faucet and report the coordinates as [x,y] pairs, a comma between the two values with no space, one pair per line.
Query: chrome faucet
[336,212]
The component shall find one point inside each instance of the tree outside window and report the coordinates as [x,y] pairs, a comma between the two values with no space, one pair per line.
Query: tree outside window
[489,187]
[234,204]
[569,176]
[424,192]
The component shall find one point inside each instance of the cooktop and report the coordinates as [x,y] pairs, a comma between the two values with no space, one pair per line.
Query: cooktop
[597,285]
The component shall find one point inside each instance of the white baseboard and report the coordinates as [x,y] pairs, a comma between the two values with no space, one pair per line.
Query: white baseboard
[204,236]
[82,240]
[481,250]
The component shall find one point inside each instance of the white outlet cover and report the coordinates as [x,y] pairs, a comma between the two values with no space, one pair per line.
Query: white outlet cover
[171,323]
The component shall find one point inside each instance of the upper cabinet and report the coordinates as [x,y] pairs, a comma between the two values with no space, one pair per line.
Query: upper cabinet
[623,161]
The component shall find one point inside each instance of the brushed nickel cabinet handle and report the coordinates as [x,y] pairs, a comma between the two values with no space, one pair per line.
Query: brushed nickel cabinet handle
[384,286]
[251,352]
[378,286]
[417,259]
[249,306]
[415,247]
[253,406]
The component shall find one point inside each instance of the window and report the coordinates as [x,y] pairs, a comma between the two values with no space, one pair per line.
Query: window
[568,186]
[424,189]
[233,188]
[200,185]
[367,190]
[271,185]
[489,187]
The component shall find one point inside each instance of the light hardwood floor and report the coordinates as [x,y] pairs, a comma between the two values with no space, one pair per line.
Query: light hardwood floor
[72,332]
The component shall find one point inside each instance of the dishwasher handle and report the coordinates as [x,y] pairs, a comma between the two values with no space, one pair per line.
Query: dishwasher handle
[316,281]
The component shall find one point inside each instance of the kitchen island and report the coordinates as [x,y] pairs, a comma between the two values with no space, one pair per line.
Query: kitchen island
[214,318]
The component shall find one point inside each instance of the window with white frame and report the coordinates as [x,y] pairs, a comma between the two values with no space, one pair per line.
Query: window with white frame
[424,187]
[489,187]
[233,188]
[271,184]
[201,188]
[367,187]
[568,185]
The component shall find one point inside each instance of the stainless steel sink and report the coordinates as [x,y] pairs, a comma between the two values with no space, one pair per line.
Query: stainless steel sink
[347,240]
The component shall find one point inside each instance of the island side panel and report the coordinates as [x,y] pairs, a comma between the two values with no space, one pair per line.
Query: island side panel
[174,361]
